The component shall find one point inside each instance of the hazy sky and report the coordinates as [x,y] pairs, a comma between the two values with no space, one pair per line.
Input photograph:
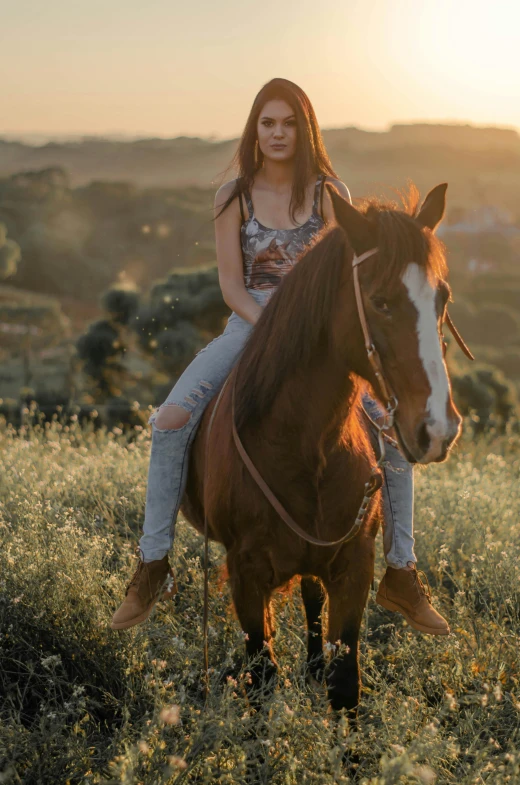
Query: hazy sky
[170,67]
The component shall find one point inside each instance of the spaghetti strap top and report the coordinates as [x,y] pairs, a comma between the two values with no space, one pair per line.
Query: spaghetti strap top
[268,254]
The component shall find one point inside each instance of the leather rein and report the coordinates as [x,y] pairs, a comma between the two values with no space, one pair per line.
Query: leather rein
[375,480]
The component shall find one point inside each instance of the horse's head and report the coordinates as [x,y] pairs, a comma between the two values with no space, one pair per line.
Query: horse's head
[404,296]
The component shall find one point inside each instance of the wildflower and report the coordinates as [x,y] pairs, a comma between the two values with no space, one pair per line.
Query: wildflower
[231,681]
[51,662]
[176,762]
[425,774]
[170,715]
[143,747]
[451,703]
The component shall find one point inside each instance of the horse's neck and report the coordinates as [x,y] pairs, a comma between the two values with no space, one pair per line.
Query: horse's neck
[313,405]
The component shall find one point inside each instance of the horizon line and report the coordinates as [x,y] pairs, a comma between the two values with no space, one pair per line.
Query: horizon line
[216,138]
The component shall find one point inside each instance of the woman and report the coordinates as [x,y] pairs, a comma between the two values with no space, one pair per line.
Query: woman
[263,222]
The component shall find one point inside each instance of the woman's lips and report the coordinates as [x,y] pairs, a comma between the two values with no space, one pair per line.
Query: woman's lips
[278,146]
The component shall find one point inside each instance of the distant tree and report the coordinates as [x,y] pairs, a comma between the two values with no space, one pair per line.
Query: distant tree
[121,302]
[101,349]
[182,313]
[486,397]
[10,254]
[192,295]
[76,241]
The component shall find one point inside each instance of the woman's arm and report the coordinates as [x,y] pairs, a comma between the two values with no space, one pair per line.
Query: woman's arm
[229,257]
[328,210]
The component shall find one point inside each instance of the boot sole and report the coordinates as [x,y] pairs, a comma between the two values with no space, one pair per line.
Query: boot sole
[124,625]
[391,606]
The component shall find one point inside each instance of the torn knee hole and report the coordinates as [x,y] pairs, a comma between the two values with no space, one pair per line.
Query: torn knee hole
[174,416]
[171,417]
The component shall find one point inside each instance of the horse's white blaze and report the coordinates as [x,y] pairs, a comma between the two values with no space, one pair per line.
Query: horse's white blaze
[422,295]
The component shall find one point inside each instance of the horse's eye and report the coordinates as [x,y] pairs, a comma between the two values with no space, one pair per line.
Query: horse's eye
[381,305]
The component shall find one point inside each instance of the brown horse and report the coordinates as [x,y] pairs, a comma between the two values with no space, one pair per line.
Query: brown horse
[299,415]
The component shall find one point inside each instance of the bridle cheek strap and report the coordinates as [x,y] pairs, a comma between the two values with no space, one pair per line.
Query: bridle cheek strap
[372,353]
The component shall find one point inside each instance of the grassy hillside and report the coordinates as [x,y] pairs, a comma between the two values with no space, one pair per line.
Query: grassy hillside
[151,215]
[482,165]
[82,704]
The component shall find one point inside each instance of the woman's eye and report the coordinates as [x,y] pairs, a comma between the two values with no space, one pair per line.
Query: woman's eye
[381,305]
[268,123]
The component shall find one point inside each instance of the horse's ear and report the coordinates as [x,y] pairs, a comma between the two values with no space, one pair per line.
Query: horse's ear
[359,230]
[433,207]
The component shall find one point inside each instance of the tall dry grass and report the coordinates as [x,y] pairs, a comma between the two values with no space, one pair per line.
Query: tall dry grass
[83,704]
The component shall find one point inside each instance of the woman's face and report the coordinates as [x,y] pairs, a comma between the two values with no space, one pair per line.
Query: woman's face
[276,129]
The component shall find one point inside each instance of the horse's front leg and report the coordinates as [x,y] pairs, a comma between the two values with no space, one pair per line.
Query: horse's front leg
[251,594]
[347,599]
[313,597]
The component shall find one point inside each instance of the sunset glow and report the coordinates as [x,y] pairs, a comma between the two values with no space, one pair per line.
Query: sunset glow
[167,69]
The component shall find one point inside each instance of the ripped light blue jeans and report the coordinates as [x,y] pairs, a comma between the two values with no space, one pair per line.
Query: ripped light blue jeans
[167,474]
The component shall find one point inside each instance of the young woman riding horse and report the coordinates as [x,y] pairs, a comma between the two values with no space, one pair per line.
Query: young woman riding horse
[275,211]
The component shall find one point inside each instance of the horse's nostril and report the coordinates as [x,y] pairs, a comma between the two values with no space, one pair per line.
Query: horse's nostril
[423,438]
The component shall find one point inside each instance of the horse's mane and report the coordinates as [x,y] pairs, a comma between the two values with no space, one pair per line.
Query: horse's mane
[293,328]
[401,240]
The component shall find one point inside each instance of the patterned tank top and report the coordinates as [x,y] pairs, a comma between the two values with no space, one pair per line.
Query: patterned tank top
[268,254]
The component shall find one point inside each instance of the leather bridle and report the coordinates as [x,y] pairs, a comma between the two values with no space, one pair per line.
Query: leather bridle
[372,353]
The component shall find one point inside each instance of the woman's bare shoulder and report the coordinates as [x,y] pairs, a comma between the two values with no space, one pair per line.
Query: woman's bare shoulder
[225,191]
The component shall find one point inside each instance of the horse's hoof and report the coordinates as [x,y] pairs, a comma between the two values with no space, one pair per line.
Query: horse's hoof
[315,672]
[350,761]
[263,682]
[314,684]
[231,672]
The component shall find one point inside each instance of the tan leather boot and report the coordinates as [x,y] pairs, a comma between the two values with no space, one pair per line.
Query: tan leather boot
[150,582]
[404,592]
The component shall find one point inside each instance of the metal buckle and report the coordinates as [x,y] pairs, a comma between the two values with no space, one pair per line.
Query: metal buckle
[391,408]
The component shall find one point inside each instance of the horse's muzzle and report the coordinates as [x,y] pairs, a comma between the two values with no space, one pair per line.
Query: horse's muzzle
[434,439]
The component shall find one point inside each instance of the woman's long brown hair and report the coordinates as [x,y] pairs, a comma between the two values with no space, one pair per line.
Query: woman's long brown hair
[311,157]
